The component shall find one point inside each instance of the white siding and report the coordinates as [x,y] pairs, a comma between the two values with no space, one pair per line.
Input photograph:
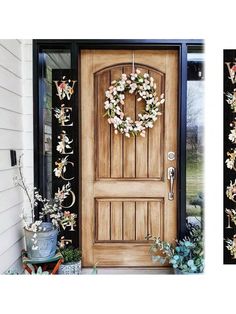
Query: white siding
[16,127]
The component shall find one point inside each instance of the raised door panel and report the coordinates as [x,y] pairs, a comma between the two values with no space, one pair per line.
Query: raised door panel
[128,219]
[118,157]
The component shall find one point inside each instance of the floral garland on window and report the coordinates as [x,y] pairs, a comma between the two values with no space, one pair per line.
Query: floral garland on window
[138,84]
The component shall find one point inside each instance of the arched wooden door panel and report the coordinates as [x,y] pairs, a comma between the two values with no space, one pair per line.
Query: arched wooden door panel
[124,180]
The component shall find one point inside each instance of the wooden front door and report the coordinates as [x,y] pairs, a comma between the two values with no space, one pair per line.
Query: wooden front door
[124,180]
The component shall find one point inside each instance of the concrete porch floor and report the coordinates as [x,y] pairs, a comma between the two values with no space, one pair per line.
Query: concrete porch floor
[129,271]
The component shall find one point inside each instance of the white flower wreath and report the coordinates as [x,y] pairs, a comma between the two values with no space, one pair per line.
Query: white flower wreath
[142,85]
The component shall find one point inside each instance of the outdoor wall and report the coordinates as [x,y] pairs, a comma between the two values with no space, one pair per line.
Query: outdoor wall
[15,133]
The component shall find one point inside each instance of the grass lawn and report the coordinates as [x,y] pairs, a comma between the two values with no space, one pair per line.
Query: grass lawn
[194,181]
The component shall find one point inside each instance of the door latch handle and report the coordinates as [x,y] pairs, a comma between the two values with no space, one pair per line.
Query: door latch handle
[171,177]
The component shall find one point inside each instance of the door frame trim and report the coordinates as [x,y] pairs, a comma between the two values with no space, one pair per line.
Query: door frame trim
[75,46]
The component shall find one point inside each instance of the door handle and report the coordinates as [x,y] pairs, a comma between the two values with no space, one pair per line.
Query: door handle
[171,177]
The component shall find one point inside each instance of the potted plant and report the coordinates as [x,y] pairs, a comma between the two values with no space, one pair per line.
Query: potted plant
[185,256]
[41,234]
[72,261]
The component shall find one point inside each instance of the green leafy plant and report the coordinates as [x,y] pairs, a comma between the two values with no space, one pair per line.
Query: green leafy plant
[186,255]
[71,254]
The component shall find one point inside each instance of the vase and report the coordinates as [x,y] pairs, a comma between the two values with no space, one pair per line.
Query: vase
[41,245]
[73,268]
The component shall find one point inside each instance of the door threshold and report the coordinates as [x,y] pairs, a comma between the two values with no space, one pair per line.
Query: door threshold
[129,271]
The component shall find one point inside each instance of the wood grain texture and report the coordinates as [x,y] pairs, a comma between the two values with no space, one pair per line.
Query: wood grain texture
[129,221]
[155,219]
[170,144]
[141,220]
[156,136]
[103,221]
[129,143]
[116,139]
[116,221]
[103,137]
[141,154]
[119,157]
[130,182]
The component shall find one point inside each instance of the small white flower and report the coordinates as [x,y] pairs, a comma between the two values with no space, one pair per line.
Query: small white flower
[127,134]
[146,75]
[143,133]
[149,124]
[108,94]
[57,172]
[232,135]
[133,86]
[229,163]
[138,71]
[124,77]
[120,88]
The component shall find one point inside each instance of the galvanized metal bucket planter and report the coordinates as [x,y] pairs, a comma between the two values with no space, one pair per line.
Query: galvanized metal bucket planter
[73,268]
[46,242]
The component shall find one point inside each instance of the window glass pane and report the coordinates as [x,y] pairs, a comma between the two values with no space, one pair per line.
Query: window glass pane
[194,145]
[49,60]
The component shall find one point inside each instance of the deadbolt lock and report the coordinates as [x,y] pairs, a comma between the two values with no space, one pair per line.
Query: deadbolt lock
[171,156]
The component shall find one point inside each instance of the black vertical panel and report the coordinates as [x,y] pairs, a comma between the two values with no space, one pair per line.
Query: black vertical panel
[229,116]
[60,75]
[182,141]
